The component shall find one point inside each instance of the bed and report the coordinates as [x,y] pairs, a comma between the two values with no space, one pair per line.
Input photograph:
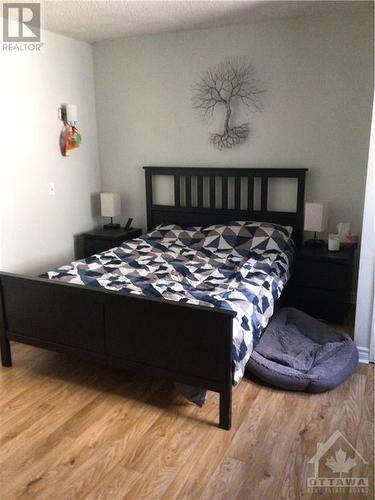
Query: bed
[123,327]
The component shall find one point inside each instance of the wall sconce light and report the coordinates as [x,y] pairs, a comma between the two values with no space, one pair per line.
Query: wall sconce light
[70,137]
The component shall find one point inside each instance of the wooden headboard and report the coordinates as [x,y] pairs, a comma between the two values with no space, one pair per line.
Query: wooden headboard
[201,196]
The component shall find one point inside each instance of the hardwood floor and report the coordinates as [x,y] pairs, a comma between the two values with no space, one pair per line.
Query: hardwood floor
[83,431]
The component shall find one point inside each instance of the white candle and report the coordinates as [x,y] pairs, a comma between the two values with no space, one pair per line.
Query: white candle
[333,243]
[71,113]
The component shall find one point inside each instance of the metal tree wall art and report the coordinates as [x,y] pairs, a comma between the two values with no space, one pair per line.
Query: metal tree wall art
[231,82]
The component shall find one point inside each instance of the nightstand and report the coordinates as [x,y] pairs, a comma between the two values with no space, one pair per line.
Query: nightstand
[321,282]
[100,240]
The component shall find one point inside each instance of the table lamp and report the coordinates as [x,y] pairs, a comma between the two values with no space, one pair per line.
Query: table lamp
[315,220]
[110,206]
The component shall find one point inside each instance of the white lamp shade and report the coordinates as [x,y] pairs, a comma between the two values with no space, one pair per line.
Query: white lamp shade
[315,217]
[110,204]
[71,113]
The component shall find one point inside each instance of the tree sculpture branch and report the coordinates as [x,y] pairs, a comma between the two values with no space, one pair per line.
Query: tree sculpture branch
[220,87]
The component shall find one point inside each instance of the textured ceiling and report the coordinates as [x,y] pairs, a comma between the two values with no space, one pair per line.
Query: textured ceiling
[101,20]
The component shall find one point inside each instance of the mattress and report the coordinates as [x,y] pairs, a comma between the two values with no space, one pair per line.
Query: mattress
[242,266]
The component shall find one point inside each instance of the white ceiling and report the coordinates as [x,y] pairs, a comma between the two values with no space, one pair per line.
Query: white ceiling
[94,21]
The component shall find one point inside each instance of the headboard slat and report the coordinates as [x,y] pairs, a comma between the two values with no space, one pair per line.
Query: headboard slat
[200,215]
[212,191]
[250,192]
[237,193]
[264,193]
[200,190]
[177,187]
[188,190]
[224,191]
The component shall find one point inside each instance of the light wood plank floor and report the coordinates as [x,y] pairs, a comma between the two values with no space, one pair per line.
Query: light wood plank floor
[83,431]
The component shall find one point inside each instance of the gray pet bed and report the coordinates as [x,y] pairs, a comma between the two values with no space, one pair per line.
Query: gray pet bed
[299,353]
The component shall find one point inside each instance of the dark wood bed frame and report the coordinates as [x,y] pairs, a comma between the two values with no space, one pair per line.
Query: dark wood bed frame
[186,343]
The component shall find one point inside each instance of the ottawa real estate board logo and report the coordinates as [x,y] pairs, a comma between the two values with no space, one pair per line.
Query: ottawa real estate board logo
[338,468]
[22,27]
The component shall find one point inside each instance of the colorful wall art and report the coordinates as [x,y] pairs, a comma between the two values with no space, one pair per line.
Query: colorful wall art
[70,139]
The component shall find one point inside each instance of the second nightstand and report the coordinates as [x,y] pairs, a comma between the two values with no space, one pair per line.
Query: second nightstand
[321,282]
[100,240]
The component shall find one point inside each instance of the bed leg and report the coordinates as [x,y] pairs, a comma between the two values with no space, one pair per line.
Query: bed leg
[225,408]
[6,356]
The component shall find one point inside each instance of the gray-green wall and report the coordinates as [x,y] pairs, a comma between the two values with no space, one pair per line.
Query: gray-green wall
[318,72]
[37,230]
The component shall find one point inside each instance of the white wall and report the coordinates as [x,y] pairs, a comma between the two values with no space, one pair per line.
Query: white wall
[37,231]
[365,312]
[319,76]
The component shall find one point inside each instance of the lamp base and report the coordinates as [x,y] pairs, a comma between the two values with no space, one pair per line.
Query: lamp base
[111,226]
[313,243]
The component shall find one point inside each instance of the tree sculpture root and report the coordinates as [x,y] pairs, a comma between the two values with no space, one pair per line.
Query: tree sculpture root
[231,137]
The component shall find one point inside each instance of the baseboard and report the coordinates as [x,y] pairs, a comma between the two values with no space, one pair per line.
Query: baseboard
[364,354]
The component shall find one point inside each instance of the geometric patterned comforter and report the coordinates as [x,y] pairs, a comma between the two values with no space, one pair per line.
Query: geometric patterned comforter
[242,266]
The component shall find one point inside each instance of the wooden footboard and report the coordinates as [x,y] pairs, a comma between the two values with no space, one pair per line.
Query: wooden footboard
[186,343]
